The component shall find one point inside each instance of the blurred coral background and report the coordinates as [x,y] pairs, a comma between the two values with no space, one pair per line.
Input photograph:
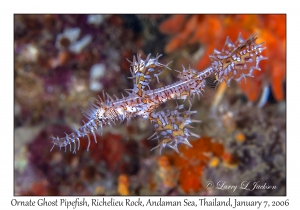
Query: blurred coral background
[63,61]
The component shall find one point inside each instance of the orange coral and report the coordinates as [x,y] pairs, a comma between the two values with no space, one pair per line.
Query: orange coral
[240,137]
[123,185]
[192,161]
[214,162]
[210,31]
[167,172]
